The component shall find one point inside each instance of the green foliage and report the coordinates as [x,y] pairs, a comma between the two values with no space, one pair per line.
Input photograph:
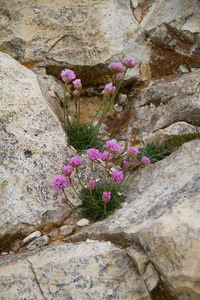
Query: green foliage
[179,140]
[93,207]
[152,151]
[80,136]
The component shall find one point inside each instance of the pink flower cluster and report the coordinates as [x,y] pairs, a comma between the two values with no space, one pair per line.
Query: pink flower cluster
[133,152]
[105,154]
[59,183]
[118,76]
[126,164]
[115,67]
[67,170]
[75,161]
[112,146]
[67,75]
[106,196]
[93,154]
[117,176]
[77,83]
[109,89]
[144,161]
[91,185]
[129,62]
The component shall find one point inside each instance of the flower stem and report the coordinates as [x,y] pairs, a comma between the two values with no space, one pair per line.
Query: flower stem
[69,202]
[79,179]
[90,123]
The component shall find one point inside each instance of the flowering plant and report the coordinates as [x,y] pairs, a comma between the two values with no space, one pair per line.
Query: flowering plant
[86,135]
[100,198]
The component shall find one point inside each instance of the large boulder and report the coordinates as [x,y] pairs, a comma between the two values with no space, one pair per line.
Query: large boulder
[159,223]
[33,149]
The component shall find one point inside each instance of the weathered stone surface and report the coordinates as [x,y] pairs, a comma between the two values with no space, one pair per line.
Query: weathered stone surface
[31,237]
[161,218]
[37,243]
[83,222]
[162,104]
[87,33]
[91,270]
[33,151]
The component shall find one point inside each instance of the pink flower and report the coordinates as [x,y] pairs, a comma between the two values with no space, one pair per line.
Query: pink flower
[93,154]
[112,146]
[109,89]
[75,161]
[129,62]
[133,152]
[91,185]
[117,176]
[126,164]
[67,75]
[134,163]
[115,67]
[67,170]
[64,200]
[110,165]
[106,196]
[144,161]
[118,76]
[77,83]
[104,156]
[59,183]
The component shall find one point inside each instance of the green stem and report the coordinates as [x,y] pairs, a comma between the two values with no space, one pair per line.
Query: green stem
[75,191]
[135,175]
[70,203]
[79,179]
[79,108]
[105,176]
[93,174]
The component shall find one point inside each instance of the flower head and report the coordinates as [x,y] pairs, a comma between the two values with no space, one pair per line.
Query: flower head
[59,183]
[126,164]
[117,176]
[64,200]
[67,170]
[91,185]
[67,75]
[75,161]
[134,163]
[109,89]
[118,76]
[144,161]
[104,156]
[115,67]
[133,152]
[110,165]
[93,154]
[77,84]
[106,196]
[112,146]
[129,62]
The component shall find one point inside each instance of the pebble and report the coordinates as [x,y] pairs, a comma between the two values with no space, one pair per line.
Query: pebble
[122,98]
[38,243]
[31,237]
[83,222]
[118,108]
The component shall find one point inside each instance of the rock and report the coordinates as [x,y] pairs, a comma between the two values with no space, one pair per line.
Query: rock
[162,104]
[34,151]
[31,237]
[122,98]
[92,270]
[118,108]
[37,243]
[161,220]
[66,230]
[67,37]
[83,222]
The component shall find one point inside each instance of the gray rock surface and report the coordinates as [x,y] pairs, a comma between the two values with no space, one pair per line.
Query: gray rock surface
[161,218]
[91,270]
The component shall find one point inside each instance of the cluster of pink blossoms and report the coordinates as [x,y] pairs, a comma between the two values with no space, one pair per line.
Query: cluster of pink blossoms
[129,62]
[104,156]
[106,196]
[67,170]
[112,146]
[133,152]
[75,162]
[144,161]
[59,183]
[115,67]
[117,176]
[109,89]
[77,84]
[93,154]
[91,185]
[67,75]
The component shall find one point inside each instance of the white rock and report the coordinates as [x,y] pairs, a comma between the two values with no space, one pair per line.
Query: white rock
[83,222]
[118,108]
[122,98]
[31,237]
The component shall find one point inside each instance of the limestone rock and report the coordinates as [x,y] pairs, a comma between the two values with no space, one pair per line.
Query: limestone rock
[162,104]
[37,243]
[92,270]
[33,151]
[161,218]
[83,222]
[31,237]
